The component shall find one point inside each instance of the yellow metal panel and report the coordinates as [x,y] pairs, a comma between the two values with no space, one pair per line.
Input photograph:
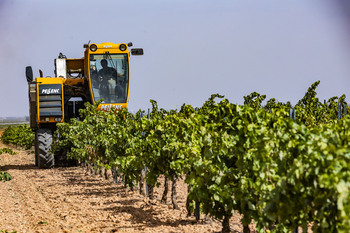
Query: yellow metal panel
[49,81]
[108,47]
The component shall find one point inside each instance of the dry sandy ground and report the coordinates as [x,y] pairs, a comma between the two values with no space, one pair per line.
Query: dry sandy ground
[73,200]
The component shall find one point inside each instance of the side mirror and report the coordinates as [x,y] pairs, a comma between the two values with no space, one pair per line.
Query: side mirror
[29,74]
[137,51]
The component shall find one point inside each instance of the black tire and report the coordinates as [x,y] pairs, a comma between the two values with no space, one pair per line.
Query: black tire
[61,159]
[45,158]
[36,148]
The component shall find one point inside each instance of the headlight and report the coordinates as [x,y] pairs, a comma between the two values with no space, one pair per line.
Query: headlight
[93,47]
[122,47]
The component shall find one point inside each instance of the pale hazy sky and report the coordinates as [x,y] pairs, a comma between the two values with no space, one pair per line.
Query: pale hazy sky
[193,48]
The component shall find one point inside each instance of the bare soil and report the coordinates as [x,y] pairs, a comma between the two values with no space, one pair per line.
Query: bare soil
[71,199]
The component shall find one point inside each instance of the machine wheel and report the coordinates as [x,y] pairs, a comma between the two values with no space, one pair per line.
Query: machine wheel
[45,158]
[61,159]
[36,148]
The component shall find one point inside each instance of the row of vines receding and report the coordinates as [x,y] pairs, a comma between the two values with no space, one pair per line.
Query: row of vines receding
[250,158]
[20,135]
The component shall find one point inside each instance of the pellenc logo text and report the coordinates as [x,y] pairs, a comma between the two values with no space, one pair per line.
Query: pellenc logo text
[50,91]
[110,106]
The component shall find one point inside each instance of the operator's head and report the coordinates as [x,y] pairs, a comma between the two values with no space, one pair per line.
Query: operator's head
[104,63]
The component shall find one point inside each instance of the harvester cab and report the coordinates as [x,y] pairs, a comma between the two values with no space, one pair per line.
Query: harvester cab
[103,73]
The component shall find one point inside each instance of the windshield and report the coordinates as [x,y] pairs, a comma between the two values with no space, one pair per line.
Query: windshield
[109,77]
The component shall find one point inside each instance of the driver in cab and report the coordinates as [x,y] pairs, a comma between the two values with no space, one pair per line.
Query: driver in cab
[108,80]
[106,73]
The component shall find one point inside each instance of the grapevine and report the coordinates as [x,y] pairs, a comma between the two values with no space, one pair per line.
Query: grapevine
[20,135]
[250,158]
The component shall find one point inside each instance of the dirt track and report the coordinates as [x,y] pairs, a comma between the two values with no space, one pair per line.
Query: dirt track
[73,200]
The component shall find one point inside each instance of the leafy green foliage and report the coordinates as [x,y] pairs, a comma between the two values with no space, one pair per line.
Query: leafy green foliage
[20,135]
[5,176]
[7,151]
[252,159]
[311,112]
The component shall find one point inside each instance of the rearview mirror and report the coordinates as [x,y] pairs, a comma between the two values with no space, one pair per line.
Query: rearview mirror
[29,74]
[137,51]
